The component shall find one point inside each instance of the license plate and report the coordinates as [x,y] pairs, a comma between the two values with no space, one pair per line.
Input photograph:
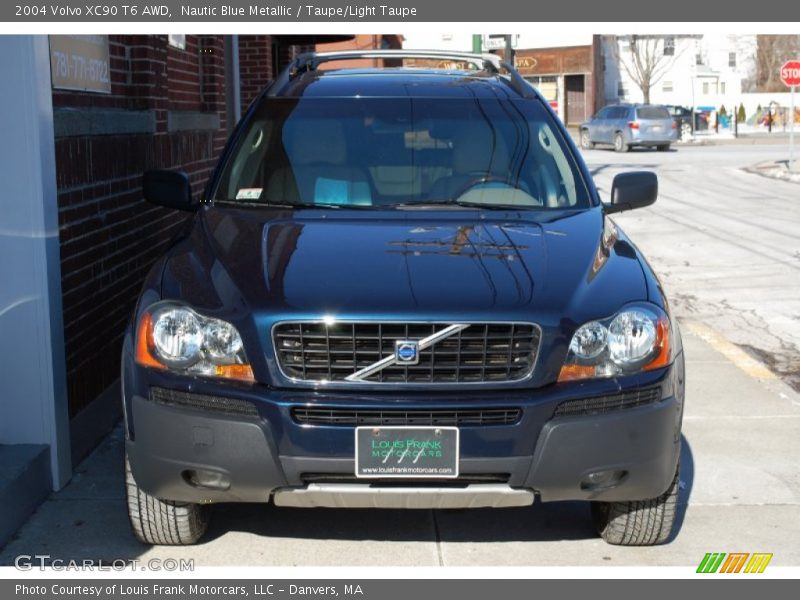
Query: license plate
[656,128]
[410,452]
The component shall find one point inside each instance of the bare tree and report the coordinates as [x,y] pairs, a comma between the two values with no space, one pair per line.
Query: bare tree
[647,59]
[772,52]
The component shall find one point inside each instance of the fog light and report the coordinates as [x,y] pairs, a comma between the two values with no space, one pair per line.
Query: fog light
[210,480]
[602,479]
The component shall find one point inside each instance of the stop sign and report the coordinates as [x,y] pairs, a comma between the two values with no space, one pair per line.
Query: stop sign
[790,73]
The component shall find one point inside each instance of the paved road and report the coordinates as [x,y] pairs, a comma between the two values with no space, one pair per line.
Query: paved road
[726,243]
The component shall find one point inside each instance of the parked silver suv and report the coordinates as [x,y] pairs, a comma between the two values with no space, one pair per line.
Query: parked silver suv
[628,125]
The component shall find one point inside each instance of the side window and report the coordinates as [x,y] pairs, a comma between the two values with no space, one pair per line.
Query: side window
[603,114]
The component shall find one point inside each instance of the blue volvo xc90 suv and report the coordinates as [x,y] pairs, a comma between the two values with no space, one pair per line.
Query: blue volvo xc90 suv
[401,290]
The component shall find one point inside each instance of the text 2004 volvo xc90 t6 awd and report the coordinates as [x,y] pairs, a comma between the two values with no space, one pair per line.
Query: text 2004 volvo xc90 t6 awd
[402,290]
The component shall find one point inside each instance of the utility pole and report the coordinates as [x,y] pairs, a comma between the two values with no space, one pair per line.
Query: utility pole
[509,50]
[791,134]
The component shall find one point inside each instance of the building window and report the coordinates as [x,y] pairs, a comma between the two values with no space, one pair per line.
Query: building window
[732,60]
[698,59]
[705,87]
[722,87]
[669,46]
[547,86]
[666,86]
[622,91]
[177,40]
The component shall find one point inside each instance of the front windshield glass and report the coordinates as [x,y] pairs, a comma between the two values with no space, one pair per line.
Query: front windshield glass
[382,152]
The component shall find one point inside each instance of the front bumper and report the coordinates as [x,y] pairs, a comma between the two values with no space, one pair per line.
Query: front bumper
[268,455]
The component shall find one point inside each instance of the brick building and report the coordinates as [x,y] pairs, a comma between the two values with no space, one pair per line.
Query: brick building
[364,42]
[166,108]
[77,238]
[566,67]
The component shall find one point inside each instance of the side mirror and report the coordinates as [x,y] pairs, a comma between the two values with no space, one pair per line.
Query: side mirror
[168,188]
[636,189]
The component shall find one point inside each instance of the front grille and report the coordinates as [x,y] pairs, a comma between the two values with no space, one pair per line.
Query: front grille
[216,404]
[604,404]
[480,353]
[350,418]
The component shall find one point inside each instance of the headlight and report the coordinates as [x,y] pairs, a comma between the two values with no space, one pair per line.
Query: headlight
[175,337]
[631,337]
[635,339]
[589,340]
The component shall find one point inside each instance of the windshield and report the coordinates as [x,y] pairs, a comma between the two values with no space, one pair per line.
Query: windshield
[382,152]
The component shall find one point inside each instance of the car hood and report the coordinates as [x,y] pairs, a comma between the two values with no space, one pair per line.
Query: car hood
[421,265]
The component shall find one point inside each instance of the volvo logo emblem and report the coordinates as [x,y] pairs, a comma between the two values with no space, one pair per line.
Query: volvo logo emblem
[407,352]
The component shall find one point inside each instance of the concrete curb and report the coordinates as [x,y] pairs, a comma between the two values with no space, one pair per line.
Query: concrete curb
[769,169]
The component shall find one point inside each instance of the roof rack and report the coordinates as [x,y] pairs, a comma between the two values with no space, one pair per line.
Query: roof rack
[492,63]
[312,60]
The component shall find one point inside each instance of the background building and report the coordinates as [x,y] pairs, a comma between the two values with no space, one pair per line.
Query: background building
[708,71]
[83,117]
[563,66]
[363,42]
[686,70]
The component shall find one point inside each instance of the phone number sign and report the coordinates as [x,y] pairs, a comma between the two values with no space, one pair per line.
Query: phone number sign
[80,62]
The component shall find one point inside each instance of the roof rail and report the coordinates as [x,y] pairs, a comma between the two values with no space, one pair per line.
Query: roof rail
[522,87]
[310,61]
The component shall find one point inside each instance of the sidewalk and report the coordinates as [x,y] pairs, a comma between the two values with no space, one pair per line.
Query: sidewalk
[706,138]
[740,493]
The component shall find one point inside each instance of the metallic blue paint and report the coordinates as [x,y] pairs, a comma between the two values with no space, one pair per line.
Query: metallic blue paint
[257,266]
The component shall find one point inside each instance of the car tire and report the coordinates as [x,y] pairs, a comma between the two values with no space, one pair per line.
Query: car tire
[663,147]
[586,141]
[619,143]
[638,522]
[162,522]
[686,131]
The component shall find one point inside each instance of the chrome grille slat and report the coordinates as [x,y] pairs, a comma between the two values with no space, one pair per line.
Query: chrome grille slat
[315,352]
[340,417]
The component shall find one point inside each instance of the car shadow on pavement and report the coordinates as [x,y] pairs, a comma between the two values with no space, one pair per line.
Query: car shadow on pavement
[685,490]
[87,521]
[543,522]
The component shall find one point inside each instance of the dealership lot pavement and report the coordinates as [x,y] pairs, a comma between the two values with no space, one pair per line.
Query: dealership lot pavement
[741,492]
[727,245]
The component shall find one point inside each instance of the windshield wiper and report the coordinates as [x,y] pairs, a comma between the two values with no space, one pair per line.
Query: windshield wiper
[494,206]
[447,204]
[242,203]
[458,204]
[257,204]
